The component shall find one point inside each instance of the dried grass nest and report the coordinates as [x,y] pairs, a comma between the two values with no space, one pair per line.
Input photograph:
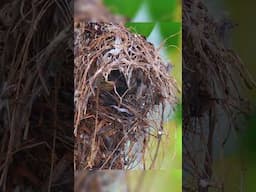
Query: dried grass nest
[120,83]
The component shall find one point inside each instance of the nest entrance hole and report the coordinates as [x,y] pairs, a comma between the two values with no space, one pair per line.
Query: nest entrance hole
[117,77]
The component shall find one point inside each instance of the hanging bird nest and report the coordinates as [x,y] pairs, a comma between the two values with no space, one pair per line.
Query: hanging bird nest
[121,89]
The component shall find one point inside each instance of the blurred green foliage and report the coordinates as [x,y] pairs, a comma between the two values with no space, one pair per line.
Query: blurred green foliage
[163,10]
[154,181]
[171,31]
[159,10]
[126,8]
[141,28]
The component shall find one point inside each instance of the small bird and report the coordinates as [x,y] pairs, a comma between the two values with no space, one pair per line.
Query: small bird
[106,85]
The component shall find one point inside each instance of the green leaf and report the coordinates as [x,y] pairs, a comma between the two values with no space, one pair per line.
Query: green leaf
[162,10]
[141,28]
[127,8]
[171,32]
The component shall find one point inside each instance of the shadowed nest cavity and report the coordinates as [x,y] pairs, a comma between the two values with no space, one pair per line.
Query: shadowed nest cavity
[120,83]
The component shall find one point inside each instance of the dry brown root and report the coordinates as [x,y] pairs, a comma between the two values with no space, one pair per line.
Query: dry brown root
[121,88]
